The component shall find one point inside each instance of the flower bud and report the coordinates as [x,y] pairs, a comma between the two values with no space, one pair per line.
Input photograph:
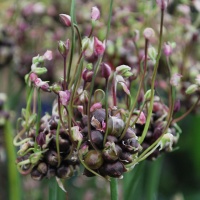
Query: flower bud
[41,139]
[130,133]
[42,168]
[52,158]
[64,172]
[147,95]
[36,175]
[65,19]
[64,97]
[97,138]
[95,13]
[191,89]
[93,159]
[177,106]
[162,4]
[126,157]
[76,134]
[167,50]
[87,75]
[63,47]
[148,33]
[56,88]
[105,70]
[39,70]
[111,152]
[95,106]
[115,126]
[42,84]
[115,169]
[33,77]
[131,145]
[99,47]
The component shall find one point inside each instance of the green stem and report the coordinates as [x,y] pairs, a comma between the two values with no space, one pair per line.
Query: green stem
[13,176]
[53,189]
[114,189]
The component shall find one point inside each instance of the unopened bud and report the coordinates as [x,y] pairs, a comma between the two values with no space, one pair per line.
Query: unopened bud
[148,33]
[105,70]
[95,13]
[87,75]
[65,19]
[99,47]
[64,97]
[162,4]
[63,47]
[191,89]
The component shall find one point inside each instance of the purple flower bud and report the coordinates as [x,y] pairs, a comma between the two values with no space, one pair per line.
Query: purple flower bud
[142,119]
[41,139]
[65,19]
[148,33]
[95,107]
[99,47]
[33,77]
[41,84]
[105,70]
[64,97]
[87,75]
[95,13]
[167,50]
[177,105]
[162,4]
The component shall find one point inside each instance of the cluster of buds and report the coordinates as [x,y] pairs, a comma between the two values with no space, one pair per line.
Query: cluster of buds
[103,150]
[47,152]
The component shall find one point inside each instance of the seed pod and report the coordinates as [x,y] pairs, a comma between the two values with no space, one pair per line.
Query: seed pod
[111,152]
[42,167]
[115,126]
[97,139]
[52,158]
[115,169]
[93,159]
[36,175]
[65,171]
[111,138]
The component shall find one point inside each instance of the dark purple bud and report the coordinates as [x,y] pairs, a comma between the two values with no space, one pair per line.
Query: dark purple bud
[64,171]
[93,159]
[126,157]
[115,126]
[131,145]
[111,152]
[88,173]
[97,139]
[41,139]
[105,70]
[130,133]
[99,114]
[65,19]
[51,173]
[36,175]
[113,169]
[177,105]
[111,138]
[52,158]
[87,75]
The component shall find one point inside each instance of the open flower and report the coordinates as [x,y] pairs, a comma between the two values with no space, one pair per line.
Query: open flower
[64,97]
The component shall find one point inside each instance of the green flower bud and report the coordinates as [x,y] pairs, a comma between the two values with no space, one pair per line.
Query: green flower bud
[39,70]
[191,89]
[147,95]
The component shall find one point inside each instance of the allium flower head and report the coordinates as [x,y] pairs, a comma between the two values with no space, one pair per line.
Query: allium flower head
[64,97]
[95,13]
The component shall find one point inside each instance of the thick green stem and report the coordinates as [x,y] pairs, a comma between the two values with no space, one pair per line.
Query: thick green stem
[114,189]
